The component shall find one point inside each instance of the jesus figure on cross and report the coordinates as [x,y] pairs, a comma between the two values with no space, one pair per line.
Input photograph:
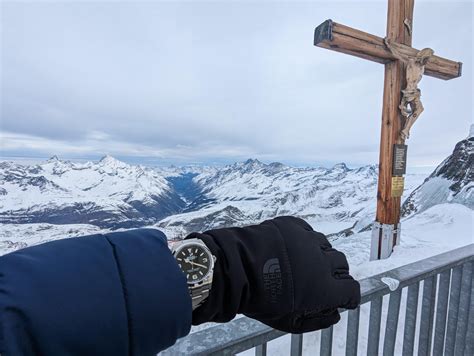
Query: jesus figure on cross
[411,106]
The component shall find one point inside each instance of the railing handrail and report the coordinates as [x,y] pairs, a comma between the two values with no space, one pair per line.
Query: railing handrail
[244,333]
[373,286]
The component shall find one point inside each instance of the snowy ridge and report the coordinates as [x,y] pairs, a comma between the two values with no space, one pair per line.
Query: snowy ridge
[451,182]
[112,194]
[252,191]
[335,199]
[108,193]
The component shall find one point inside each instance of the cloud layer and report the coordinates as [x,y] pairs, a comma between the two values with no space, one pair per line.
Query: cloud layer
[216,81]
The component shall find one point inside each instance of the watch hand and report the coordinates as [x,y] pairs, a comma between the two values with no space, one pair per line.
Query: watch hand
[199,265]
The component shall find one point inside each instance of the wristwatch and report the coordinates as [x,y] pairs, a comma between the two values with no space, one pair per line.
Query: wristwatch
[197,263]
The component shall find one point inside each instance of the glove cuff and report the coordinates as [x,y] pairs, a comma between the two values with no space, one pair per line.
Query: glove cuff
[226,291]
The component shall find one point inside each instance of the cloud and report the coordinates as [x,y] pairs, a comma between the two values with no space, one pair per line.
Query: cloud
[207,81]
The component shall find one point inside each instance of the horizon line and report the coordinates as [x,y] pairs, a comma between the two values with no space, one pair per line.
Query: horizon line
[152,161]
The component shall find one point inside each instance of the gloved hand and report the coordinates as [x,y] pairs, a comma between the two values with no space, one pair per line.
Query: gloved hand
[281,273]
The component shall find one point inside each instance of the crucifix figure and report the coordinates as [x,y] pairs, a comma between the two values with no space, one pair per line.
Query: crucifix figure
[411,106]
[404,67]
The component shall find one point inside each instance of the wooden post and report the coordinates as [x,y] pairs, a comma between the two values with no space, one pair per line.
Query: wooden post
[386,230]
[388,207]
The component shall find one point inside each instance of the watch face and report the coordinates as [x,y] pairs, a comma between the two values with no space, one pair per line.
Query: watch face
[194,261]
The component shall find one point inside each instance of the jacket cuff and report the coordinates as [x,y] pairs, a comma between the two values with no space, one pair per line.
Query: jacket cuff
[155,291]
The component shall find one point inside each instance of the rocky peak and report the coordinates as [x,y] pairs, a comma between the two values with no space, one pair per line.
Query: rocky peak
[340,166]
[276,165]
[112,162]
[459,166]
[248,166]
[451,182]
[252,162]
[53,159]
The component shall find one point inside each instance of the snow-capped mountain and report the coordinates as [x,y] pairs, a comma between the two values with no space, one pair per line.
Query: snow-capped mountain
[112,194]
[252,191]
[451,182]
[109,194]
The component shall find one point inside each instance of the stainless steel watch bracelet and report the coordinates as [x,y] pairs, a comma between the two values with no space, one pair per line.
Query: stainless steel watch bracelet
[199,294]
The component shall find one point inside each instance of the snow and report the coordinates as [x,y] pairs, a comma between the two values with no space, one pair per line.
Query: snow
[243,193]
[436,191]
[32,193]
[261,191]
[16,236]
[103,183]
[331,200]
[438,229]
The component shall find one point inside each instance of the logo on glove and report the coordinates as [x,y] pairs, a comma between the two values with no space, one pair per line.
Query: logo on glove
[272,281]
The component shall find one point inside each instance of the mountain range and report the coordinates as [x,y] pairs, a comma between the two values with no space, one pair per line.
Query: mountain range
[111,194]
[108,194]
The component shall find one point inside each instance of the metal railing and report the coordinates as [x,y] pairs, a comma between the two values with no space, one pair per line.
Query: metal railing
[437,300]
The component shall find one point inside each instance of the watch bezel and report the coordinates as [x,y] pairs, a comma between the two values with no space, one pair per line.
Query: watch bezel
[201,244]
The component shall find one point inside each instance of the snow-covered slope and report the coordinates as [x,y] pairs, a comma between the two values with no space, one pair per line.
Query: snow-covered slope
[16,236]
[335,199]
[109,193]
[451,182]
[434,231]
[113,194]
[252,191]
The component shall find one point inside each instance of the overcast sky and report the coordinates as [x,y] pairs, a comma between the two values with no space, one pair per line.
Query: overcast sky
[206,82]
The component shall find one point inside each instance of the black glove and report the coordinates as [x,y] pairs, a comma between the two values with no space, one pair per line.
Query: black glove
[281,273]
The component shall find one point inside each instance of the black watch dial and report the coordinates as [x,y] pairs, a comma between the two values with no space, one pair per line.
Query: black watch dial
[194,261]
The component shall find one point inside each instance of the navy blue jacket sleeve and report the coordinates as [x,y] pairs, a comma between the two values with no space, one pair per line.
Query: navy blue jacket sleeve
[113,294]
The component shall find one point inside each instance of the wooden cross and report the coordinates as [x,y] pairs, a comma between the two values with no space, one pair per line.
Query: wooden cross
[347,40]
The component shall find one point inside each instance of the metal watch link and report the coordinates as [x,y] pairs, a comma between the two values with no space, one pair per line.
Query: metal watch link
[197,263]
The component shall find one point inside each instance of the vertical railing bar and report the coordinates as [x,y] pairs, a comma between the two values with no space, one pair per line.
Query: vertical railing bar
[441,313]
[470,327]
[296,346]
[352,332]
[427,314]
[453,311]
[392,323]
[261,350]
[410,319]
[374,326]
[460,340]
[326,342]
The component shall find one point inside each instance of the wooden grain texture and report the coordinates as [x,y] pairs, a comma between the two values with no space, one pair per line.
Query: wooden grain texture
[361,44]
[388,207]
